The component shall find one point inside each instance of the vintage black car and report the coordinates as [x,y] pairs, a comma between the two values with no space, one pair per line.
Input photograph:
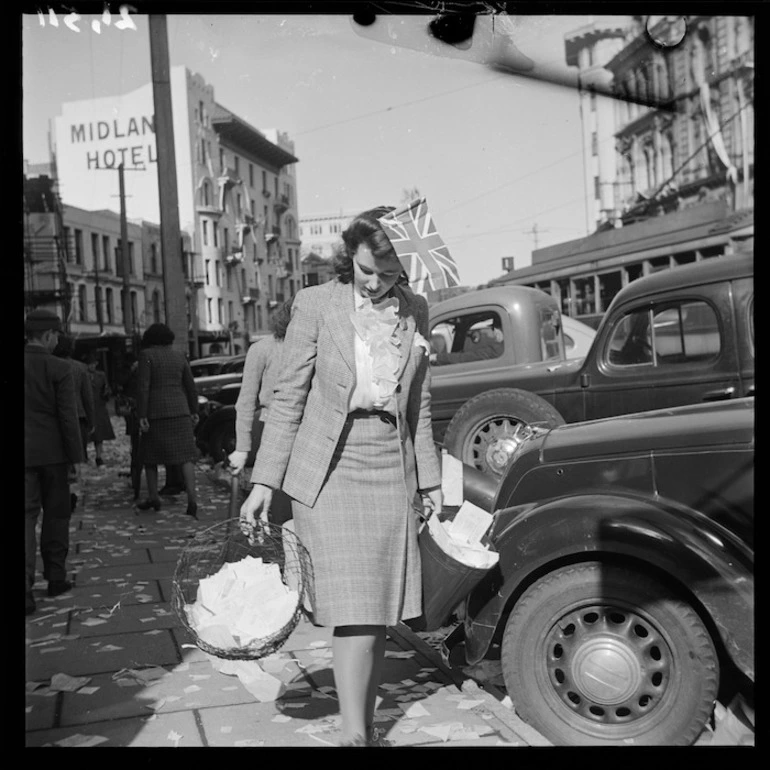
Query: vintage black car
[679,336]
[623,599]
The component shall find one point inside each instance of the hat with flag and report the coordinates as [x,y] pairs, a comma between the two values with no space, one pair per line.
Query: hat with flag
[424,256]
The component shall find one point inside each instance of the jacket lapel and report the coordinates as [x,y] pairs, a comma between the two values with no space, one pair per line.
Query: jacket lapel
[338,322]
[406,313]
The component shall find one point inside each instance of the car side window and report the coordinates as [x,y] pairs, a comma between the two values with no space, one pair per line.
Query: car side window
[630,341]
[666,335]
[472,337]
[687,332]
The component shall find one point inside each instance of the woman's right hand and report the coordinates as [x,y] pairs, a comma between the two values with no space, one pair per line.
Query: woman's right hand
[258,502]
[237,461]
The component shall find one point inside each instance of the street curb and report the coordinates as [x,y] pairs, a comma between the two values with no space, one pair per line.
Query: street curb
[493,697]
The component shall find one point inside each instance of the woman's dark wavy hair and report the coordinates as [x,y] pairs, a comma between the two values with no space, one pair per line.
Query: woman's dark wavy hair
[157,334]
[279,321]
[366,230]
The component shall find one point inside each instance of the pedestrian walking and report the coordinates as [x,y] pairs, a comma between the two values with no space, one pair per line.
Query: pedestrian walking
[101,392]
[167,408]
[348,437]
[52,444]
[260,372]
[129,397]
[85,399]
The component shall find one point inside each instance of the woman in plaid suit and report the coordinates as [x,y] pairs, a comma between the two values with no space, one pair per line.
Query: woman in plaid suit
[348,437]
[167,408]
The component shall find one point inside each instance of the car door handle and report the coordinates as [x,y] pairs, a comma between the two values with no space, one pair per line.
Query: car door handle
[720,394]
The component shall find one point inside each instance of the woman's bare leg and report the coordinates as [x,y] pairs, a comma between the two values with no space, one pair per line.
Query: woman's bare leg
[358,653]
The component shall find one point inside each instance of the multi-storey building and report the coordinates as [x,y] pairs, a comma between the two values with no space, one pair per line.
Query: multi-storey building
[321,235]
[682,173]
[237,202]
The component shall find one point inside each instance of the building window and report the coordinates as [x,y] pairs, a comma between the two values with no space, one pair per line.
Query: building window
[131,258]
[67,249]
[264,181]
[252,207]
[109,304]
[251,175]
[200,112]
[244,287]
[208,272]
[597,188]
[215,230]
[82,303]
[226,243]
[238,208]
[230,313]
[585,299]
[106,252]
[258,311]
[275,187]
[237,163]
[203,150]
[153,258]
[267,219]
[98,303]
[95,250]
[221,311]
[222,160]
[205,232]
[228,280]
[156,307]
[218,272]
[270,287]
[78,247]
[134,309]
[209,306]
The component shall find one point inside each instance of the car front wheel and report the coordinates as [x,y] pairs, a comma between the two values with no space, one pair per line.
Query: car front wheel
[595,654]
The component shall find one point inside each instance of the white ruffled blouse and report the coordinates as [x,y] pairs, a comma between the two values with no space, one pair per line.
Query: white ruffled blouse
[377,353]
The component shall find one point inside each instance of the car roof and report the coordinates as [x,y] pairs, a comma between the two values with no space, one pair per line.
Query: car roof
[711,270]
[506,296]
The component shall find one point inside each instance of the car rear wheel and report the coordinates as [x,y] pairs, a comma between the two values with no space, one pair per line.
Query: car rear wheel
[599,655]
[486,431]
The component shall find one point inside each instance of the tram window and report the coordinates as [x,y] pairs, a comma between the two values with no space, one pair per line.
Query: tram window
[712,251]
[609,285]
[685,258]
[660,263]
[585,299]
[634,272]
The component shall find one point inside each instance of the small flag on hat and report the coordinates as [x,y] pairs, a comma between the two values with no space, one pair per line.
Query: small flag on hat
[424,256]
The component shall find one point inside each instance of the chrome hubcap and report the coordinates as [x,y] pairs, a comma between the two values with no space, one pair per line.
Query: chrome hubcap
[607,664]
[493,444]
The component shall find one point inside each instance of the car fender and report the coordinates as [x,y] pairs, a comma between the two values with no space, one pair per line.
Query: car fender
[700,555]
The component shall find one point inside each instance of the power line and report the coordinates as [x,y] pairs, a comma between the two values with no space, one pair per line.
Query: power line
[398,106]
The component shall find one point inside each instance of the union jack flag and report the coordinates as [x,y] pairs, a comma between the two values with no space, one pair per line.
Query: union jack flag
[424,256]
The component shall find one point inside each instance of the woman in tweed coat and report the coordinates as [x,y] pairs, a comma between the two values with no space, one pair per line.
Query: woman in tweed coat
[167,408]
[348,437]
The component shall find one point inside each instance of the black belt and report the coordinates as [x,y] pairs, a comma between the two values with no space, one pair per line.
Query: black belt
[383,415]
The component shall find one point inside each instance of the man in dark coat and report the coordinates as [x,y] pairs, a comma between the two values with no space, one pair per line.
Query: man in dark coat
[52,443]
[83,393]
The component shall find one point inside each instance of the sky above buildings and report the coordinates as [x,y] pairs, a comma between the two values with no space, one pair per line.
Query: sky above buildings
[495,154]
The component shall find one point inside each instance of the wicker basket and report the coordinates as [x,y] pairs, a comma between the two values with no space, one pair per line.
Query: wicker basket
[211,548]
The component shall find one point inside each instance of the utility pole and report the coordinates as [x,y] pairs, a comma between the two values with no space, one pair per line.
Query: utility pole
[533,232]
[173,276]
[124,255]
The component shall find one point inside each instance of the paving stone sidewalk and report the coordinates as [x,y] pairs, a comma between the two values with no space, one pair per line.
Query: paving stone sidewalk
[109,664]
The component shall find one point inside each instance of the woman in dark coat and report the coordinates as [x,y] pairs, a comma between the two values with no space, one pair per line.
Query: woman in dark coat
[102,426]
[167,408]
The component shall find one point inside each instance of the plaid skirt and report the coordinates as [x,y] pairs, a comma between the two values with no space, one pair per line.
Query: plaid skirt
[362,533]
[169,441]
